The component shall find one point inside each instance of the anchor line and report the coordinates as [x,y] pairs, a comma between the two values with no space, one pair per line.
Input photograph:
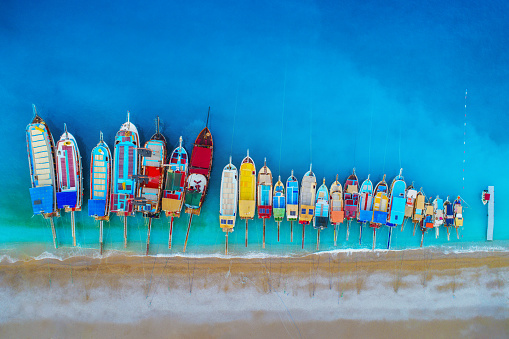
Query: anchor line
[465,139]
[282,117]
[235,116]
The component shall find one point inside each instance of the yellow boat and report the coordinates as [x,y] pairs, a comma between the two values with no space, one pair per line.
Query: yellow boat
[247,190]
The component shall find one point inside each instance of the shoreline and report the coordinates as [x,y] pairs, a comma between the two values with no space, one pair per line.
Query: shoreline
[314,293]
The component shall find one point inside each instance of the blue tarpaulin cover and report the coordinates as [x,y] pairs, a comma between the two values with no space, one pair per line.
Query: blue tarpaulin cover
[397,211]
[365,216]
[380,217]
[42,199]
[66,199]
[96,207]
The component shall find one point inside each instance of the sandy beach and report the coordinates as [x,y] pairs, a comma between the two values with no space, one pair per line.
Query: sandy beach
[380,294]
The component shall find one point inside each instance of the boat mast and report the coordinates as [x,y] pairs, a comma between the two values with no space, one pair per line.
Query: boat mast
[208,114]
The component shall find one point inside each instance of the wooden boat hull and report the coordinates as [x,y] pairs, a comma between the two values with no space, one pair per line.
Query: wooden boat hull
[307,199]
[100,176]
[228,198]
[292,198]
[69,174]
[125,165]
[247,189]
[40,149]
[200,167]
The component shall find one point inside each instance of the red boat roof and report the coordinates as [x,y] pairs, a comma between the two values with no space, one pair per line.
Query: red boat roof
[201,157]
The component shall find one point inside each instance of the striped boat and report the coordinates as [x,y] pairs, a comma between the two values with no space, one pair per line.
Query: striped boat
[307,200]
[418,213]
[380,205]
[449,216]
[174,188]
[365,205]
[411,194]
[337,213]
[292,201]
[278,203]
[228,200]
[427,221]
[264,195]
[151,179]
[351,199]
[125,170]
[100,174]
[321,211]
[69,177]
[247,190]
[40,149]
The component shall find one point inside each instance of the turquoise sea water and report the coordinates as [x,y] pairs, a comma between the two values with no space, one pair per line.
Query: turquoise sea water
[371,86]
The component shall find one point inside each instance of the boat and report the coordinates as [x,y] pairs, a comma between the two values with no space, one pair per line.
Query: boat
[307,200]
[279,203]
[427,221]
[365,214]
[485,197]
[292,201]
[100,176]
[175,185]
[151,179]
[264,195]
[247,190]
[228,200]
[69,177]
[199,174]
[125,170]
[418,213]
[411,194]
[438,211]
[351,199]
[449,216]
[337,214]
[321,219]
[458,215]
[397,204]
[40,149]
[380,206]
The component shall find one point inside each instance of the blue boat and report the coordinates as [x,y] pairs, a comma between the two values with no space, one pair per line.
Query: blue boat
[100,176]
[40,147]
[365,205]
[125,170]
[321,211]
[397,204]
[292,201]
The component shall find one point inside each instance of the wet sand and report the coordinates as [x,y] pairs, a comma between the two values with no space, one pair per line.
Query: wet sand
[378,294]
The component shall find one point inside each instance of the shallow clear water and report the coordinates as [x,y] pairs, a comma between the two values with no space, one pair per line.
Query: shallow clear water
[370,86]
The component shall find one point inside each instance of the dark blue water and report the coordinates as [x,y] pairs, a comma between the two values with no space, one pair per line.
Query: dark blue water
[342,85]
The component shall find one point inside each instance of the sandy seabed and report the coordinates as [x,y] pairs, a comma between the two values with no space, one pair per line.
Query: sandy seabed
[418,293]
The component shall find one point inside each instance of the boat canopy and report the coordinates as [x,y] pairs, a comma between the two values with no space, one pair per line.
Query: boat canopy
[365,216]
[193,199]
[42,199]
[397,210]
[67,199]
[264,195]
[380,217]
[292,193]
[174,181]
[96,207]
[201,157]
